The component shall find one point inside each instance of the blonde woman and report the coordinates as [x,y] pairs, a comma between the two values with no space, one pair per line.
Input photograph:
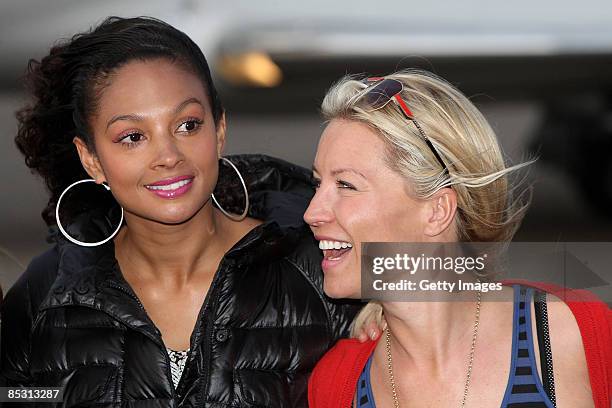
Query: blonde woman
[408,158]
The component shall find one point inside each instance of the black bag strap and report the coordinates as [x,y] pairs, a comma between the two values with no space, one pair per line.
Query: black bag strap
[546,362]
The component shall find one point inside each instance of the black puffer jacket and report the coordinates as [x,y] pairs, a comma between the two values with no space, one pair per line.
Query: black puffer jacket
[73,321]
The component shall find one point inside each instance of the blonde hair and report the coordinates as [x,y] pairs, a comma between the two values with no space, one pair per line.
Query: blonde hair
[490,207]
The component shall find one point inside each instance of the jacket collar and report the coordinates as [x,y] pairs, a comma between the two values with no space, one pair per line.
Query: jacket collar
[91,277]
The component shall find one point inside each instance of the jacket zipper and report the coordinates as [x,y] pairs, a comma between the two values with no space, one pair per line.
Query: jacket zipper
[211,298]
[159,340]
[208,335]
[207,327]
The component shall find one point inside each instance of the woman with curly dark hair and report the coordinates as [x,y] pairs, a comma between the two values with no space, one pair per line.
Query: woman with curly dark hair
[152,295]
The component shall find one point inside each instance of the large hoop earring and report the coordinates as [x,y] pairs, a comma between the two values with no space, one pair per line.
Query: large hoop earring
[63,231]
[246,195]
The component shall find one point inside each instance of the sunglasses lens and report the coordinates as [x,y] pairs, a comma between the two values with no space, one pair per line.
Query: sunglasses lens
[382,92]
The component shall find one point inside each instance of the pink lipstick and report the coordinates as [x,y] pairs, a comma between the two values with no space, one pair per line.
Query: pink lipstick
[171,188]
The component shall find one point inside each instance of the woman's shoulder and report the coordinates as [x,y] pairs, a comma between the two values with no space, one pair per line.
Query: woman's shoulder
[302,248]
[338,371]
[581,334]
[582,305]
[580,326]
[581,315]
[346,352]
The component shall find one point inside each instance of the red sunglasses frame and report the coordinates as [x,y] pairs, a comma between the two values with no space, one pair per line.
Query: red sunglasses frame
[378,84]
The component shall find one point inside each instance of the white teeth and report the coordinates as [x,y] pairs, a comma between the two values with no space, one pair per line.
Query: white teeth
[172,186]
[323,245]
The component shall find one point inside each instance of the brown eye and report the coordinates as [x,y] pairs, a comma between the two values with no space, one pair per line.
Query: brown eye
[131,139]
[189,125]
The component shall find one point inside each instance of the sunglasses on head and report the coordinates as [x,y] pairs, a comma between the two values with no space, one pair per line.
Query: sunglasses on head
[381,91]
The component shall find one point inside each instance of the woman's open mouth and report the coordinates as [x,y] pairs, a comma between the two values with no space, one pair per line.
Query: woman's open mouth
[334,252]
[171,188]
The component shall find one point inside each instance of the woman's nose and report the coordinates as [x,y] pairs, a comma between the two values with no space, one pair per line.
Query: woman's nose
[319,210]
[169,153]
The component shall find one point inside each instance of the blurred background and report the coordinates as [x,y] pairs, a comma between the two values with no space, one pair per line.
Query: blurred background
[540,71]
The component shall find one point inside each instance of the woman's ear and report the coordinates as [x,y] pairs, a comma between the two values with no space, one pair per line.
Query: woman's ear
[89,160]
[221,127]
[442,207]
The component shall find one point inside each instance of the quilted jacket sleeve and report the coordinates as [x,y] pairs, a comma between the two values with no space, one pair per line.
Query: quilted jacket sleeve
[15,336]
[18,311]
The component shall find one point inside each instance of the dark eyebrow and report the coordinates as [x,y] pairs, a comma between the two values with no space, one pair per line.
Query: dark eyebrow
[131,117]
[186,102]
[138,118]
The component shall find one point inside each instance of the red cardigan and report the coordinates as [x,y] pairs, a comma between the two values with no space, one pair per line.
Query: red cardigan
[334,379]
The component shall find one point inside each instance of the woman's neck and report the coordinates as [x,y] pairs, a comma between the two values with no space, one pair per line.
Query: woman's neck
[174,253]
[428,334]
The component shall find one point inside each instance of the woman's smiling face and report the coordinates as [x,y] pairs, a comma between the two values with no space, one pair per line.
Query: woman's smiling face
[358,199]
[156,143]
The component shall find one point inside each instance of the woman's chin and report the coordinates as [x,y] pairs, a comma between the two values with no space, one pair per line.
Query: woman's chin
[338,290]
[176,216]
[180,217]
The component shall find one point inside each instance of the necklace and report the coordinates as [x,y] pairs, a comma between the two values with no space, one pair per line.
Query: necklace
[468,376]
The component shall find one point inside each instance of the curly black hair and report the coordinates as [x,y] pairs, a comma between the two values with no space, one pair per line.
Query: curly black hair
[66,85]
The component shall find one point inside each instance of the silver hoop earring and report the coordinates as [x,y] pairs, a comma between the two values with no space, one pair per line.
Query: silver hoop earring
[246,195]
[61,228]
